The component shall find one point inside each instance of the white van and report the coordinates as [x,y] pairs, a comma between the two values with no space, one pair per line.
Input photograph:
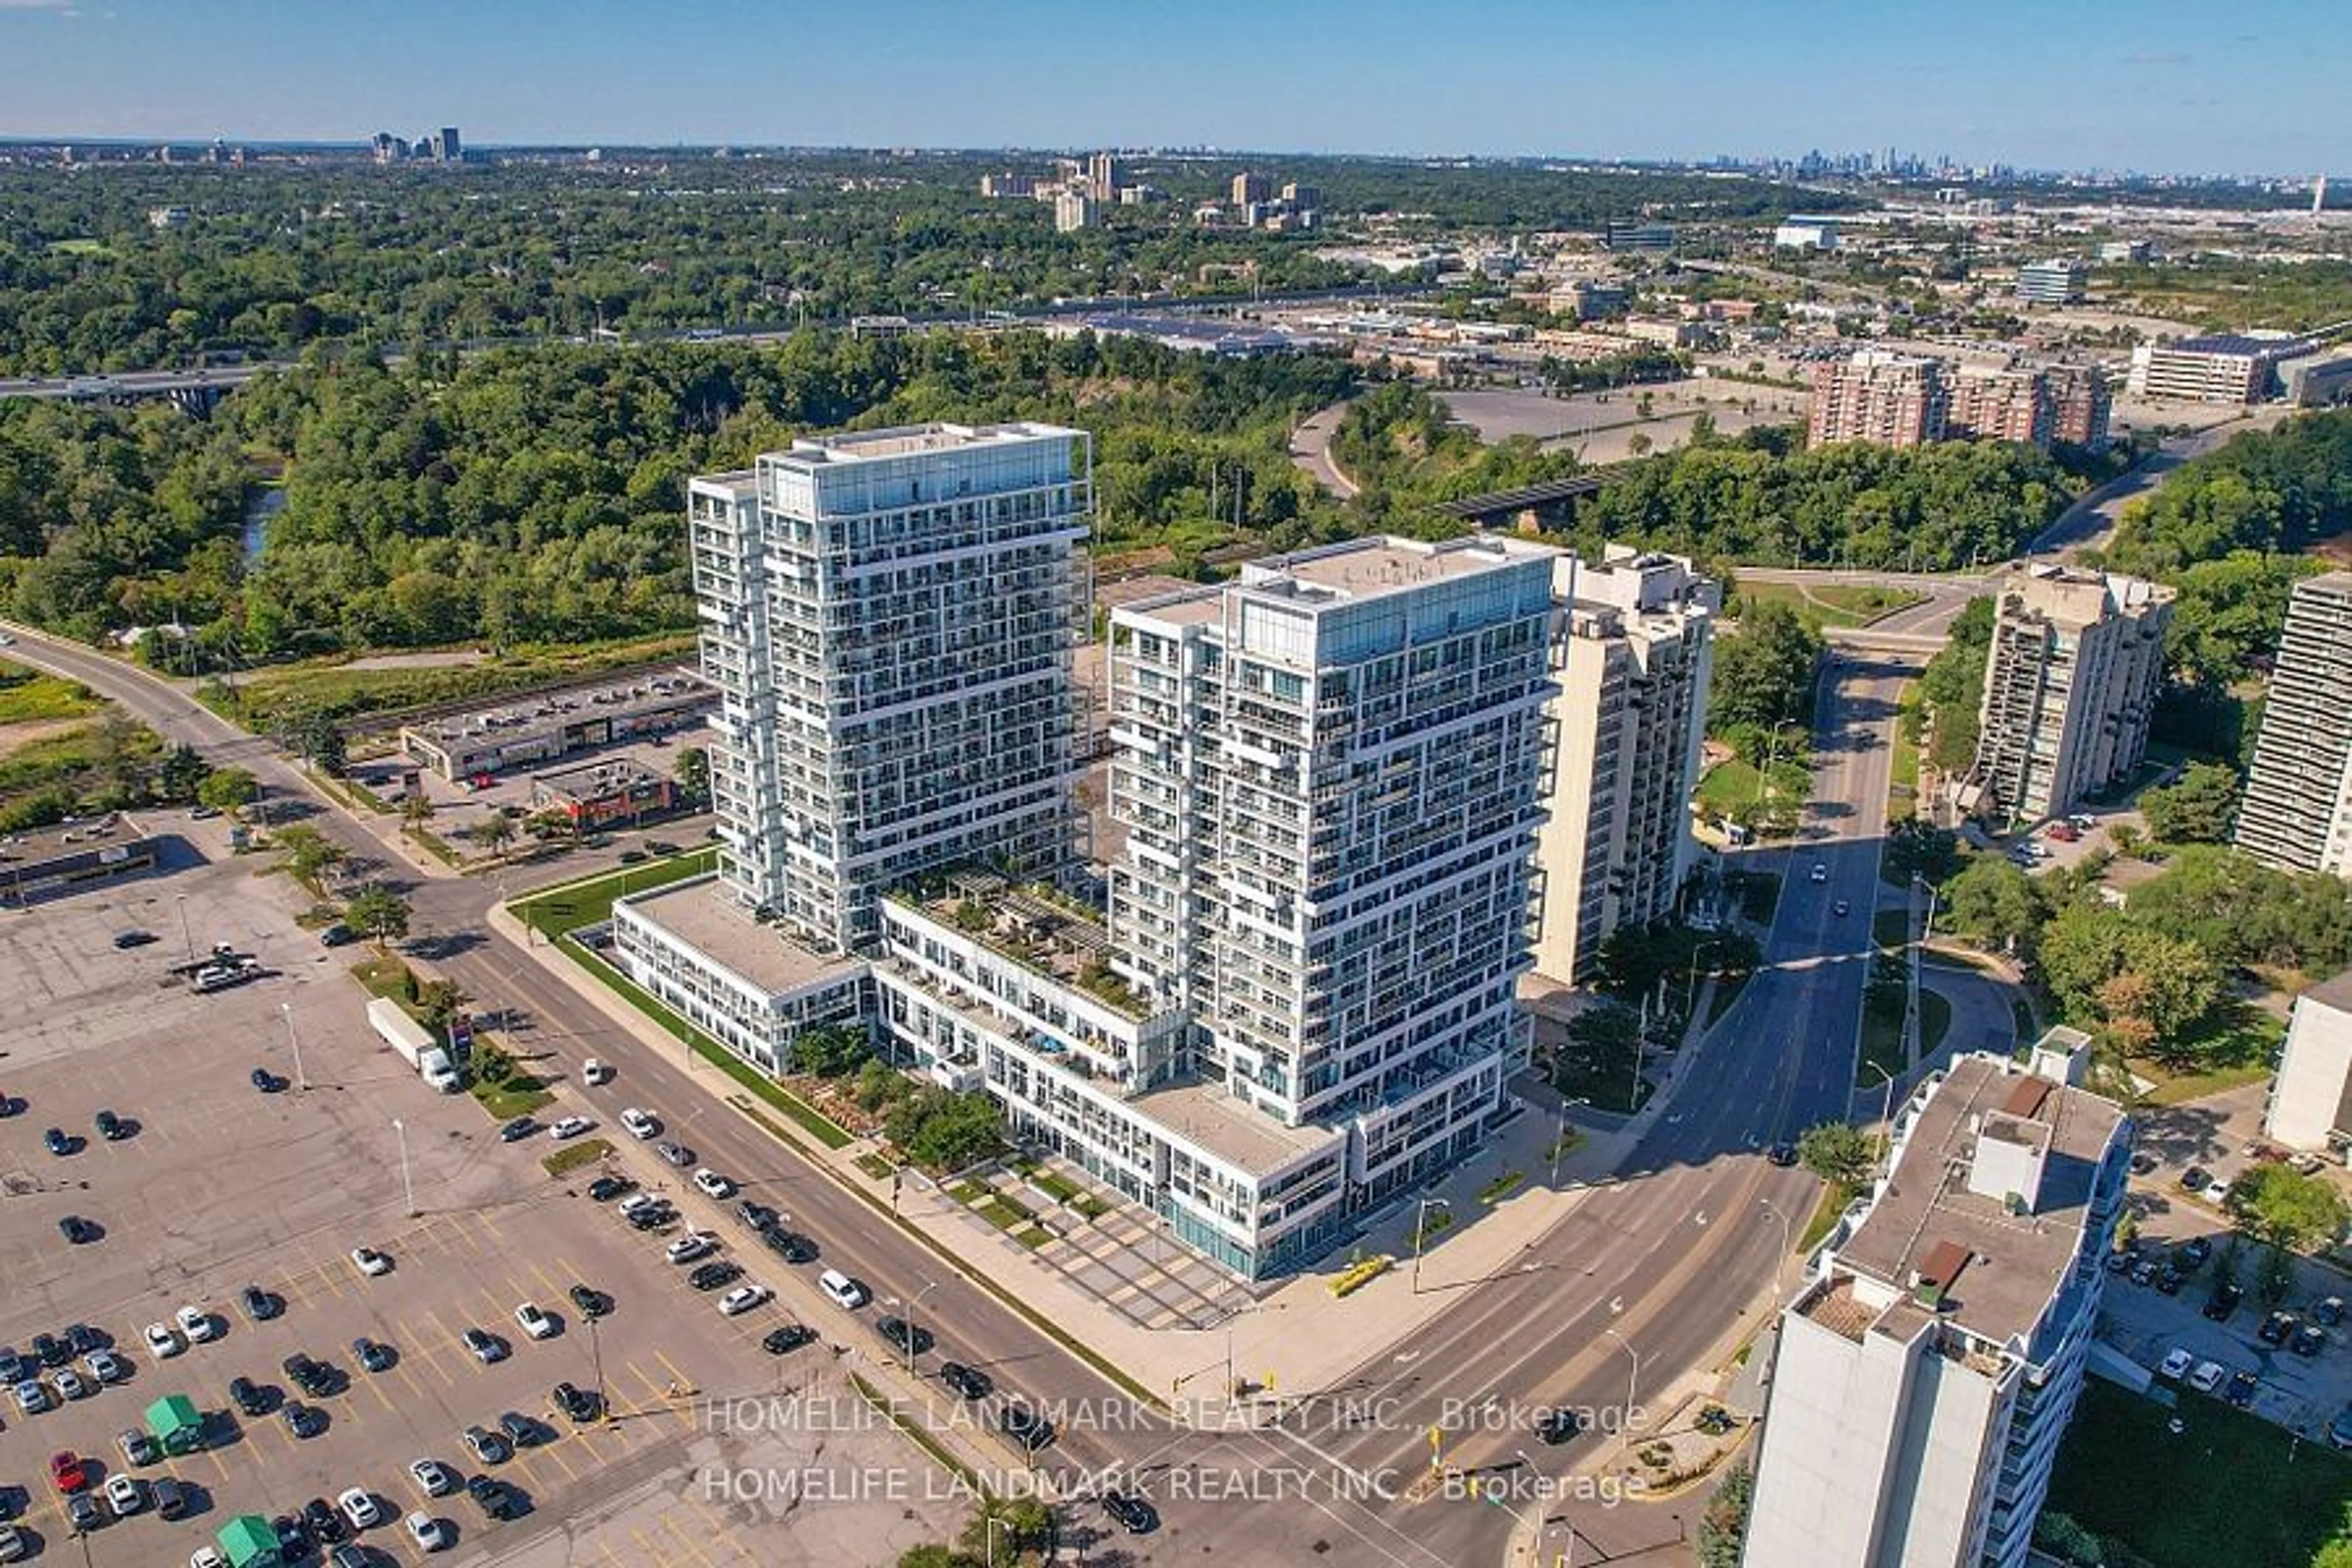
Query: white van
[847,1294]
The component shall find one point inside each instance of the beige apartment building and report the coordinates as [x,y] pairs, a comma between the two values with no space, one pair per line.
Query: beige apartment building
[2076,660]
[1633,651]
[2297,811]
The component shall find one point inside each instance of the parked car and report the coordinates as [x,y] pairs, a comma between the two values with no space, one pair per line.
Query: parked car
[259,1304]
[337,935]
[791,1246]
[607,1189]
[742,1299]
[373,1354]
[247,1397]
[677,1154]
[487,1447]
[967,1382]
[77,1231]
[363,1511]
[690,1246]
[516,1130]
[904,1338]
[371,1262]
[111,1127]
[2176,1363]
[575,1402]
[712,1275]
[711,1184]
[569,1127]
[787,1338]
[433,1478]
[139,1449]
[2243,1389]
[590,1301]
[533,1321]
[197,1324]
[125,940]
[2277,1329]
[429,1533]
[847,1293]
[2309,1339]
[494,1497]
[2207,1377]
[2224,1301]
[593,1072]
[2328,1313]
[301,1420]
[486,1346]
[641,1124]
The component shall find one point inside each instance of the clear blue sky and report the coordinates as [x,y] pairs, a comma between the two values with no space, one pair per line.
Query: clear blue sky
[2252,86]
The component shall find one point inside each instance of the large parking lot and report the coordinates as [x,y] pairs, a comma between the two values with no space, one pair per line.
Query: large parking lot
[219,1185]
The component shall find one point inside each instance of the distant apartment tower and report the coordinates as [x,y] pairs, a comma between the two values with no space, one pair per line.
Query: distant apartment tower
[1926,1372]
[1632,652]
[2076,660]
[889,618]
[389,149]
[2297,811]
[1249,190]
[447,146]
[1000,186]
[1301,199]
[2222,369]
[1073,211]
[1987,403]
[2058,281]
[2080,406]
[1895,400]
[1328,771]
[1102,176]
[2310,1104]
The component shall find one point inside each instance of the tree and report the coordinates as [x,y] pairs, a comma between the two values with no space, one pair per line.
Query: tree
[2200,807]
[943,1130]
[181,774]
[440,1001]
[1916,846]
[2066,1540]
[321,740]
[494,832]
[1723,1526]
[2287,1209]
[1764,675]
[2273,1277]
[1023,1524]
[415,809]
[226,789]
[935,1557]
[379,914]
[1838,1152]
[1994,904]
[694,774]
[830,1050]
[309,854]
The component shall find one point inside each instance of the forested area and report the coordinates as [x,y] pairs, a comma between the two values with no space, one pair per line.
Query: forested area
[538,494]
[271,258]
[1936,508]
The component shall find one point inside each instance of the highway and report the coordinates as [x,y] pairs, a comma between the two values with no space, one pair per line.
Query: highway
[163,381]
[1675,1257]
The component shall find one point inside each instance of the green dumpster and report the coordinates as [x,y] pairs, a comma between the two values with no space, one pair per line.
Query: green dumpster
[176,1424]
[247,1541]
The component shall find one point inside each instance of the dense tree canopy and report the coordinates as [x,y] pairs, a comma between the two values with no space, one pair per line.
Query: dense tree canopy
[1764,674]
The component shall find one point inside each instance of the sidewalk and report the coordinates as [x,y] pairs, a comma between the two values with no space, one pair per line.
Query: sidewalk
[1287,1338]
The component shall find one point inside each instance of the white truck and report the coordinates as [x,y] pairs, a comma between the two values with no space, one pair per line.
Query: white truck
[414,1043]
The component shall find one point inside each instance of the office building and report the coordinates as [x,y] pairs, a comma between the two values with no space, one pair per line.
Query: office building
[1806,234]
[389,149]
[1102,177]
[1639,235]
[2310,1106]
[1633,651]
[1073,211]
[2052,282]
[2222,369]
[446,146]
[2125,252]
[2317,380]
[2070,680]
[1252,190]
[1895,400]
[1301,199]
[1590,299]
[2297,810]
[888,616]
[1931,1364]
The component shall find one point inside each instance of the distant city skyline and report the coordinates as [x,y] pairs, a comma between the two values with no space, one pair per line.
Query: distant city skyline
[2035,86]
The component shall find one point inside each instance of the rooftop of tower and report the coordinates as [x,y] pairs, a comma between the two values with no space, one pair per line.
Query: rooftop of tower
[913,440]
[1361,569]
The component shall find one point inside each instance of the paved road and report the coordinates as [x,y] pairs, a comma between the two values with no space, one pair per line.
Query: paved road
[1310,449]
[1674,1260]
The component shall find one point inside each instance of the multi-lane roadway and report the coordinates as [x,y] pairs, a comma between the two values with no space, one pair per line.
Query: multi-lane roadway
[1653,1274]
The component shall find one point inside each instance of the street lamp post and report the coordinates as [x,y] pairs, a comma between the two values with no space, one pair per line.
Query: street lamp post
[187,937]
[1788,1244]
[1887,1120]
[1690,985]
[407,1187]
[1632,1391]
[1559,1140]
[990,1525]
[1421,1234]
[1535,1542]
[912,1308]
[301,1081]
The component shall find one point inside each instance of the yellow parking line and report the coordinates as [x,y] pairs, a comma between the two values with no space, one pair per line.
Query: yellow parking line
[554,1452]
[381,1398]
[219,1464]
[539,1274]
[692,1549]
[660,1398]
[449,1341]
[670,1366]
[646,1547]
